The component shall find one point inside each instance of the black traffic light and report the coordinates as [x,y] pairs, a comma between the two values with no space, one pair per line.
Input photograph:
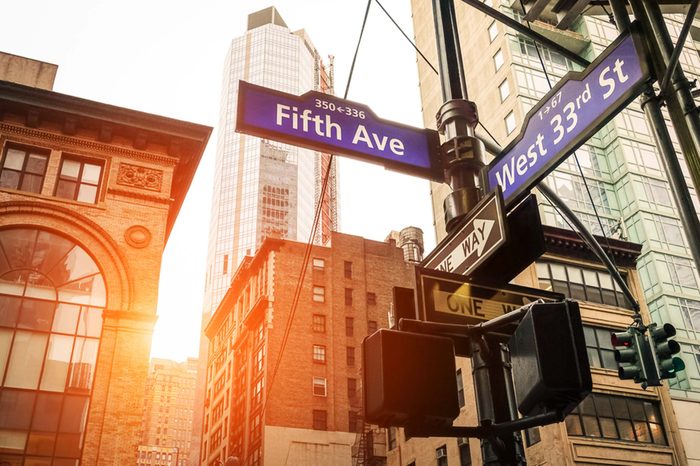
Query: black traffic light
[409,377]
[629,354]
[550,364]
[664,349]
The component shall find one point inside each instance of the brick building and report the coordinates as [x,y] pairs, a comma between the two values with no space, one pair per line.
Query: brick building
[89,193]
[300,404]
[166,429]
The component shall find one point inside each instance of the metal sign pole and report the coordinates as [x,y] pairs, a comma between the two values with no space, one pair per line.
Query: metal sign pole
[682,108]
[463,159]
[651,106]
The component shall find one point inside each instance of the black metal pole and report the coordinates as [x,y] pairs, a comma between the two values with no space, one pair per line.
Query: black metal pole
[681,105]
[651,105]
[462,154]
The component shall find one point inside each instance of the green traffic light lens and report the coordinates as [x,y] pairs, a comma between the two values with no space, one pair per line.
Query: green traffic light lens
[678,364]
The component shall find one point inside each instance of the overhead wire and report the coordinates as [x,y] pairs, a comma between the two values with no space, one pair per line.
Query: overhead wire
[309,244]
[579,234]
[578,164]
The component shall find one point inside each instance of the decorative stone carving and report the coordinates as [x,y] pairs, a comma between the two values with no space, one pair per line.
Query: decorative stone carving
[137,236]
[139,177]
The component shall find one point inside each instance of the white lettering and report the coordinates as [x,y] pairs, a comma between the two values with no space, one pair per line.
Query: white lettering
[281,113]
[361,135]
[396,146]
[606,82]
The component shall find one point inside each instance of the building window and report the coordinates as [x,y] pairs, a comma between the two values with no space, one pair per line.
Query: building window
[465,455]
[391,438]
[319,386]
[504,90]
[319,354]
[532,436]
[52,295]
[320,421]
[498,59]
[23,168]
[79,180]
[510,122]
[319,294]
[599,346]
[354,422]
[616,417]
[460,388]
[318,323]
[371,299]
[493,31]
[580,284]
[371,326]
[350,356]
[318,263]
[352,388]
[348,296]
[441,455]
[349,326]
[347,269]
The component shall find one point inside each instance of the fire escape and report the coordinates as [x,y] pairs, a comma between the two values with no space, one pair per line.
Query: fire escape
[369,448]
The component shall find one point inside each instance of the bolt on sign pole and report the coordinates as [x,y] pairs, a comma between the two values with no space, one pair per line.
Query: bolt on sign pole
[463,158]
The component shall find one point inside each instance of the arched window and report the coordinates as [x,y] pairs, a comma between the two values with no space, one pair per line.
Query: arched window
[52,295]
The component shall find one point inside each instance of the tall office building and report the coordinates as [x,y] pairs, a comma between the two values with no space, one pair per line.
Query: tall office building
[622,168]
[166,427]
[264,188]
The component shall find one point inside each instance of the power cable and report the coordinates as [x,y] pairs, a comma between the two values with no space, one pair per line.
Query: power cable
[309,244]
[578,164]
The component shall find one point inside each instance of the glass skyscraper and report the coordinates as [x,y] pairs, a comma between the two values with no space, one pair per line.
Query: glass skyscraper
[264,188]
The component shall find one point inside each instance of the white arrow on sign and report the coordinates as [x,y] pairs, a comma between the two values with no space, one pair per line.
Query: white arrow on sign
[481,234]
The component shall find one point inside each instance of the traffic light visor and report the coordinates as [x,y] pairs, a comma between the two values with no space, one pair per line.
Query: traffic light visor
[621,338]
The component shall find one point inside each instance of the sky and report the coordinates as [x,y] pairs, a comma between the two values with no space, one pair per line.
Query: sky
[166,57]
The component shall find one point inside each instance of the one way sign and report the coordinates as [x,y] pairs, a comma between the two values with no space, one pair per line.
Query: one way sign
[480,235]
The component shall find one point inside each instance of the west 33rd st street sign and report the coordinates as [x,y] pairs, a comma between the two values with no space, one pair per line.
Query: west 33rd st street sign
[577,107]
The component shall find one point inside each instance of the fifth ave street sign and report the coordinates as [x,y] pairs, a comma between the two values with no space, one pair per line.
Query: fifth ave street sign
[480,234]
[576,108]
[329,124]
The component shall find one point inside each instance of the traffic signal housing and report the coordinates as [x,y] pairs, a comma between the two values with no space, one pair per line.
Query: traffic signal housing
[663,350]
[550,364]
[409,378]
[629,355]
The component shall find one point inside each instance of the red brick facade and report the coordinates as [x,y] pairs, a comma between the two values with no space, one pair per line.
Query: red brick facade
[261,405]
[146,164]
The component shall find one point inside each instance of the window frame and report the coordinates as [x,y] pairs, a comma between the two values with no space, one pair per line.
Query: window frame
[318,323]
[318,294]
[319,419]
[28,151]
[319,354]
[583,418]
[348,297]
[349,326]
[320,383]
[78,181]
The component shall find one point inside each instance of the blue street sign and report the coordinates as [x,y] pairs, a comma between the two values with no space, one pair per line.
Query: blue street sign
[577,107]
[329,124]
